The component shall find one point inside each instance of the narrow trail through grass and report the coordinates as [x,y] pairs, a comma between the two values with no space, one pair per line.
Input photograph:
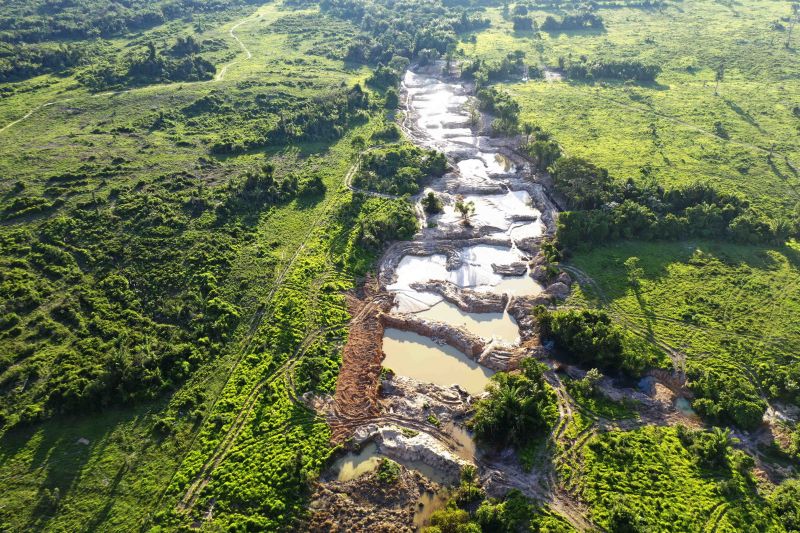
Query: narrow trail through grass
[217,78]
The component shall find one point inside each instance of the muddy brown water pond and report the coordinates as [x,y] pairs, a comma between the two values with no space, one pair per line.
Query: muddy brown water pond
[500,326]
[419,357]
[354,465]
[466,445]
[428,503]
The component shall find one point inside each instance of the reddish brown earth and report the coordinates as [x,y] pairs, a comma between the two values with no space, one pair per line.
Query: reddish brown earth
[357,388]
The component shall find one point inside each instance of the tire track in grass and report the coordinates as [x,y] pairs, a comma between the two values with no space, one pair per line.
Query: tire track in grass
[219,77]
[221,74]
[259,317]
[202,479]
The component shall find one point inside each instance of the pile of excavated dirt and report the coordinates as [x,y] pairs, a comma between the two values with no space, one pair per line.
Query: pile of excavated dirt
[368,504]
[357,387]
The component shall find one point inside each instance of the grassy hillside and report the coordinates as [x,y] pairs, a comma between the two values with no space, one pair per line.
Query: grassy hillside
[165,293]
[668,129]
[729,309]
[652,479]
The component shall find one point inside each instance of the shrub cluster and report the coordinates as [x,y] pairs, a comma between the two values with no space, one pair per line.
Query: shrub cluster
[398,169]
[621,70]
[503,106]
[482,71]
[179,63]
[519,408]
[608,211]
[324,118]
[589,336]
[578,21]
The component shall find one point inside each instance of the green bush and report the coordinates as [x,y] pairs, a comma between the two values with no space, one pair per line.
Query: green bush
[519,408]
[590,337]
[388,471]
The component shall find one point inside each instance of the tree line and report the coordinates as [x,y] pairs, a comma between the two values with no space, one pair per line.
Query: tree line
[605,210]
[323,118]
[614,69]
[32,21]
[410,29]
[178,63]
[572,22]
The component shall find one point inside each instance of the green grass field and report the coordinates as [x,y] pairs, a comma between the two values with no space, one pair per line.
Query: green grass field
[668,128]
[647,479]
[128,468]
[729,309]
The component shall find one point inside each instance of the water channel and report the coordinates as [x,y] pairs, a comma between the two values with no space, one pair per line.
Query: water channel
[437,116]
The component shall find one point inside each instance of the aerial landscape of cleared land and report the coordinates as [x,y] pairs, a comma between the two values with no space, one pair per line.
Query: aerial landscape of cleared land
[400,265]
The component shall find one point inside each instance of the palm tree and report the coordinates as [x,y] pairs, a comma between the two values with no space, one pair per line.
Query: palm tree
[528,129]
[465,209]
[468,475]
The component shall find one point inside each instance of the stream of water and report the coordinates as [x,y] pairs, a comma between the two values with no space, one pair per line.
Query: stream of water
[504,214]
[438,110]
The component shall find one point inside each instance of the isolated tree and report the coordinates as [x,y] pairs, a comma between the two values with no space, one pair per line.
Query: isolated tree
[151,51]
[718,77]
[634,271]
[358,142]
[392,99]
[528,129]
[449,56]
[465,209]
[592,378]
[431,203]
[793,19]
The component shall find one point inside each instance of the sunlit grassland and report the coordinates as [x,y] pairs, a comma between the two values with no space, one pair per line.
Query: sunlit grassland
[669,128]
[79,127]
[651,474]
[724,306]
[128,471]
[119,478]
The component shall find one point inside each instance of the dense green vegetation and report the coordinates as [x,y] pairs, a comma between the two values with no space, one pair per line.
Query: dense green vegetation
[593,339]
[512,513]
[519,408]
[668,479]
[610,211]
[398,169]
[180,62]
[155,259]
[786,503]
[729,308]
[413,29]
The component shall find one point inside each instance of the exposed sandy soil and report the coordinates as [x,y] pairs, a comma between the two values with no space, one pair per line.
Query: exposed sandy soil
[368,504]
